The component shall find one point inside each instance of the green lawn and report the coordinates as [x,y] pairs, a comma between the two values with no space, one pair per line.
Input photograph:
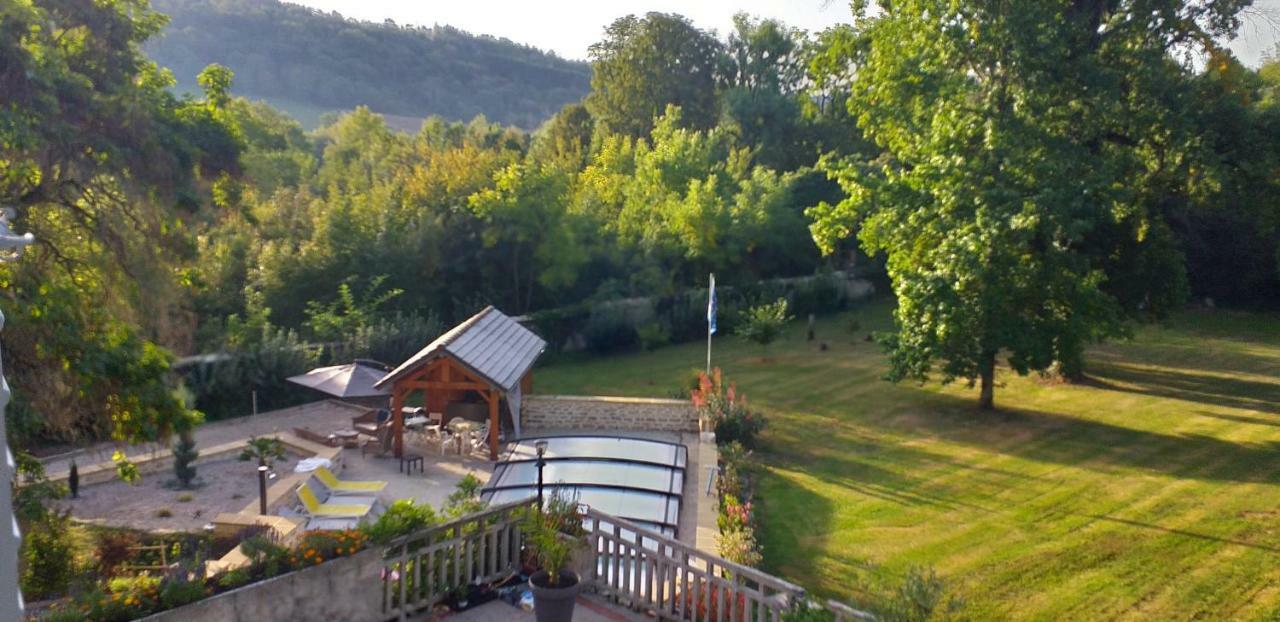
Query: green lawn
[1148,494]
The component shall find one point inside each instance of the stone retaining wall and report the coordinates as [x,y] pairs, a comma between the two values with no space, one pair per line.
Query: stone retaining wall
[348,589]
[608,413]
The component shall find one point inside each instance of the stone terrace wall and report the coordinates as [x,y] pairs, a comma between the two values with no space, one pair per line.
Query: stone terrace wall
[608,413]
[347,589]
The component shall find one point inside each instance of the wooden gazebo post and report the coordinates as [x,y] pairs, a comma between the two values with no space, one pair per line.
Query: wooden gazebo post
[494,396]
[397,418]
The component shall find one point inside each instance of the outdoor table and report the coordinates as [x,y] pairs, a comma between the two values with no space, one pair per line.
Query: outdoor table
[347,437]
[408,461]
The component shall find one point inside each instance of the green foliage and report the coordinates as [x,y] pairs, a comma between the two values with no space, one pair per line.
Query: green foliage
[608,331]
[264,450]
[921,597]
[233,579]
[178,592]
[403,517]
[645,64]
[466,498]
[652,335]
[1000,221]
[47,561]
[114,548]
[322,61]
[33,493]
[348,314]
[725,411]
[763,324]
[184,457]
[805,612]
[126,470]
[553,533]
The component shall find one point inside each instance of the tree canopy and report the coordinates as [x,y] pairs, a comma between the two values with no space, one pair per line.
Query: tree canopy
[1025,149]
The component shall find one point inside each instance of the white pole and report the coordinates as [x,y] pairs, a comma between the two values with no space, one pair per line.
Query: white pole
[10,594]
[708,350]
[255,401]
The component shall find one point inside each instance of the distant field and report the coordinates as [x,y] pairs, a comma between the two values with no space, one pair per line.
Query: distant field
[1149,493]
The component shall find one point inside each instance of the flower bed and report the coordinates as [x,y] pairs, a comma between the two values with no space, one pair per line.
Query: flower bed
[723,408]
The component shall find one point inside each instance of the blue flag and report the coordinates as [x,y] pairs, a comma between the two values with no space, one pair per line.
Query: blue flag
[711,308]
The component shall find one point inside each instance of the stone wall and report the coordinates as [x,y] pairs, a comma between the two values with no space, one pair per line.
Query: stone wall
[347,589]
[607,413]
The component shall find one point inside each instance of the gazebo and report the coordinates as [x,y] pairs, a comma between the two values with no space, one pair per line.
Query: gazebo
[489,355]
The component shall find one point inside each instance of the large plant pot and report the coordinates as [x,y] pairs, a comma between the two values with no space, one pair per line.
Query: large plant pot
[554,604]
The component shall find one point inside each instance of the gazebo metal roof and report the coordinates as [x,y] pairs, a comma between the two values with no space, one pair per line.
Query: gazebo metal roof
[489,344]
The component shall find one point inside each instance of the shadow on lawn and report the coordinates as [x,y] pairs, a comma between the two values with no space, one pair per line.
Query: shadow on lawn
[1058,438]
[1188,386]
[1183,532]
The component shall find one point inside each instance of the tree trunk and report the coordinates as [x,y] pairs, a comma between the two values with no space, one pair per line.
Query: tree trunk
[987,374]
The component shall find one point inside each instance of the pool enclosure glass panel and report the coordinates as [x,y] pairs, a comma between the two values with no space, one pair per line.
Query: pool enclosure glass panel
[648,477]
[636,479]
[603,448]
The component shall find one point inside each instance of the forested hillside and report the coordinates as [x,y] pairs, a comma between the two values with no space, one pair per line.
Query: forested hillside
[310,62]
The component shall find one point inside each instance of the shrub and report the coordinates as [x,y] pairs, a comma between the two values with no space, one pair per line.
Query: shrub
[819,295]
[73,480]
[405,516]
[726,411]
[47,558]
[921,596]
[184,458]
[544,531]
[163,513]
[807,612]
[321,546]
[176,593]
[652,336]
[265,450]
[684,316]
[609,331]
[186,497]
[465,499]
[114,548]
[763,324]
[269,559]
[232,579]
[739,546]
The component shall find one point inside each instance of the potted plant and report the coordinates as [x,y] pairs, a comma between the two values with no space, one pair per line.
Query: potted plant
[552,535]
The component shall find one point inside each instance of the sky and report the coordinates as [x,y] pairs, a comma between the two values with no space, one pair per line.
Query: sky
[568,27]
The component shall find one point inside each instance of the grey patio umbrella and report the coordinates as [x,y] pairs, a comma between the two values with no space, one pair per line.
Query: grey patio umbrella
[346,381]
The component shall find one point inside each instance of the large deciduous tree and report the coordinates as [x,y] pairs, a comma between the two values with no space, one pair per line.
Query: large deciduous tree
[106,167]
[1025,145]
[645,64]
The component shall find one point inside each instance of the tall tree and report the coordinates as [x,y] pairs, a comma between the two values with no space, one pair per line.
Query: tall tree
[646,63]
[104,165]
[1012,135]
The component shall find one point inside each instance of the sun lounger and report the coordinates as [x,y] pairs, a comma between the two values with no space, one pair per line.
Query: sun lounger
[339,486]
[351,507]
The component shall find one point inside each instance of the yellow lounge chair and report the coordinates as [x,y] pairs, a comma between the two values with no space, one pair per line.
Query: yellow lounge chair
[315,508]
[336,485]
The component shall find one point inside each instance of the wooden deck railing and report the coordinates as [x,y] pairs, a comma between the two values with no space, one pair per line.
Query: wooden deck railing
[421,569]
[640,568]
[650,572]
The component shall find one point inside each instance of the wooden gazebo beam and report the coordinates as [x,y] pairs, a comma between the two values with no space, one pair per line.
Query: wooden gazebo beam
[449,381]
